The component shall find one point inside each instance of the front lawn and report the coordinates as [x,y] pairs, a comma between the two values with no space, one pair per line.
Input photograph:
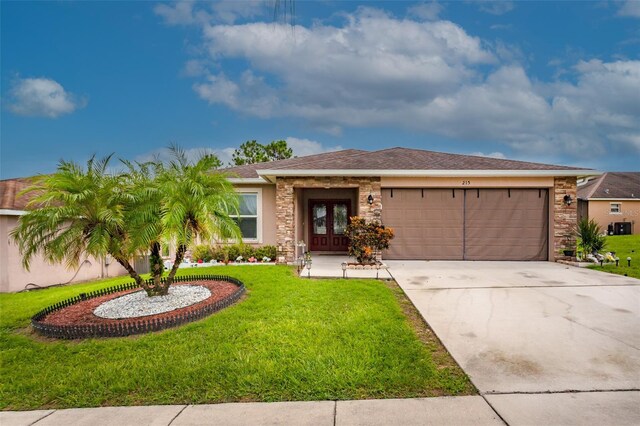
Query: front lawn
[624,246]
[290,339]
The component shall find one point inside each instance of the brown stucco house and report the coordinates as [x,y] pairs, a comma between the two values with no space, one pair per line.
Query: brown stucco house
[613,201]
[441,206]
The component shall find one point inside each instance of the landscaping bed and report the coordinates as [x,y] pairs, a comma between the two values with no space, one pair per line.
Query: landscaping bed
[81,313]
[291,339]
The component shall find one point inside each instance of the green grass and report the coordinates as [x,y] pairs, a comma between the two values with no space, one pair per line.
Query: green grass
[289,339]
[624,246]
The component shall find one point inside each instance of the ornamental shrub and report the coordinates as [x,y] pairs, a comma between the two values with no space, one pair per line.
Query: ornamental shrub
[366,239]
[202,252]
[232,251]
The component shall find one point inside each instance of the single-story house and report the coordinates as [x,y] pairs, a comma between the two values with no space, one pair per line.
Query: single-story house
[613,201]
[441,206]
[13,277]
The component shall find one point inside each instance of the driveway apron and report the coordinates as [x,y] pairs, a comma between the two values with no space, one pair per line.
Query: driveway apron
[525,328]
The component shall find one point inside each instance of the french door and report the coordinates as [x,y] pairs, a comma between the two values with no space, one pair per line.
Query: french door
[328,221]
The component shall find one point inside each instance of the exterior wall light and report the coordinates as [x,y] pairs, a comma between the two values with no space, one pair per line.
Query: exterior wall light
[370,199]
[568,200]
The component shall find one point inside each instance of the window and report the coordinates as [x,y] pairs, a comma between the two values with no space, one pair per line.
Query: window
[616,208]
[249,216]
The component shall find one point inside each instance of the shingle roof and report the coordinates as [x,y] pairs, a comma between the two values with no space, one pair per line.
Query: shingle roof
[249,170]
[620,185]
[392,159]
[9,194]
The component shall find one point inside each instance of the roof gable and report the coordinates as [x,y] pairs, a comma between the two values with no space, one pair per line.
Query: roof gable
[612,185]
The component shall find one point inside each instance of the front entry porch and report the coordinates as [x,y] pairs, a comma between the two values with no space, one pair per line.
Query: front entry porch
[316,210]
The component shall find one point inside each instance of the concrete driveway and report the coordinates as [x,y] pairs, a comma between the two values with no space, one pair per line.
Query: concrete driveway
[535,328]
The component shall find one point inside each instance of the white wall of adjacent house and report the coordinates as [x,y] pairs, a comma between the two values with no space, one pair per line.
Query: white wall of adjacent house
[13,277]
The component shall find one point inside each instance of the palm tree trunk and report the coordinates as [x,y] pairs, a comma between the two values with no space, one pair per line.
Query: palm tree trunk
[149,288]
[176,263]
[157,267]
[132,272]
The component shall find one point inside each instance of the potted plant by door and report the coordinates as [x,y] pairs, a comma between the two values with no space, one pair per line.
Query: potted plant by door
[568,243]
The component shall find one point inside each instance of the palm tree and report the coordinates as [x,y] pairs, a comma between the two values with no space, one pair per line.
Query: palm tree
[196,202]
[77,211]
[125,214]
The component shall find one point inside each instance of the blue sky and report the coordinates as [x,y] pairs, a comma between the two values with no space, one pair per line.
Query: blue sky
[555,82]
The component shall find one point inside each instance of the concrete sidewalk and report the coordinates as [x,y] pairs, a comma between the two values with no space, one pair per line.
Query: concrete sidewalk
[462,410]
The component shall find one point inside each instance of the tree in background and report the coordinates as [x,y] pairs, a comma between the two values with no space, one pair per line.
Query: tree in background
[278,150]
[252,152]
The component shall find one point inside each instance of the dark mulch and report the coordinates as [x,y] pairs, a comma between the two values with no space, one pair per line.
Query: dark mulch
[82,312]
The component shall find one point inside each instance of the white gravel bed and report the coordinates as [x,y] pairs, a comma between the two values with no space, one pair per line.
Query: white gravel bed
[138,304]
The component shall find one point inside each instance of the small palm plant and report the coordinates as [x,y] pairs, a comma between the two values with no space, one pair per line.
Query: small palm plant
[590,236]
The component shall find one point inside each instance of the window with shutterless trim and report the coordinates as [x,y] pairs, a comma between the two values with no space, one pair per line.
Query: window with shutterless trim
[616,208]
[248,217]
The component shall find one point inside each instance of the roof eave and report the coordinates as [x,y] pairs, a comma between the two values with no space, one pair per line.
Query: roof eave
[271,174]
[609,199]
[250,181]
[12,212]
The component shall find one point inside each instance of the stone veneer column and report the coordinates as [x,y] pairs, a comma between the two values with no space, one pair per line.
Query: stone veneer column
[371,186]
[285,205]
[565,217]
[285,222]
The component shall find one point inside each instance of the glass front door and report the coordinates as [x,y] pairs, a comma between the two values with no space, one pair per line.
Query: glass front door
[328,221]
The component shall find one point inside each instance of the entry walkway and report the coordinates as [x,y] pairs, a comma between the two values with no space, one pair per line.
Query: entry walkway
[330,266]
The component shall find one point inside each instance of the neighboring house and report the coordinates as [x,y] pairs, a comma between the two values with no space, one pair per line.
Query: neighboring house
[13,277]
[441,206]
[613,201]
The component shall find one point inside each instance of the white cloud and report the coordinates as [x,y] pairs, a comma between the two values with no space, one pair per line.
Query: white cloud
[302,147]
[325,71]
[42,97]
[180,13]
[230,11]
[184,12]
[630,8]
[431,77]
[495,7]
[427,11]
[195,68]
[496,154]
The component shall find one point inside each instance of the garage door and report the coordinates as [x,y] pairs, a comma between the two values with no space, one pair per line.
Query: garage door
[469,224]
[427,223]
